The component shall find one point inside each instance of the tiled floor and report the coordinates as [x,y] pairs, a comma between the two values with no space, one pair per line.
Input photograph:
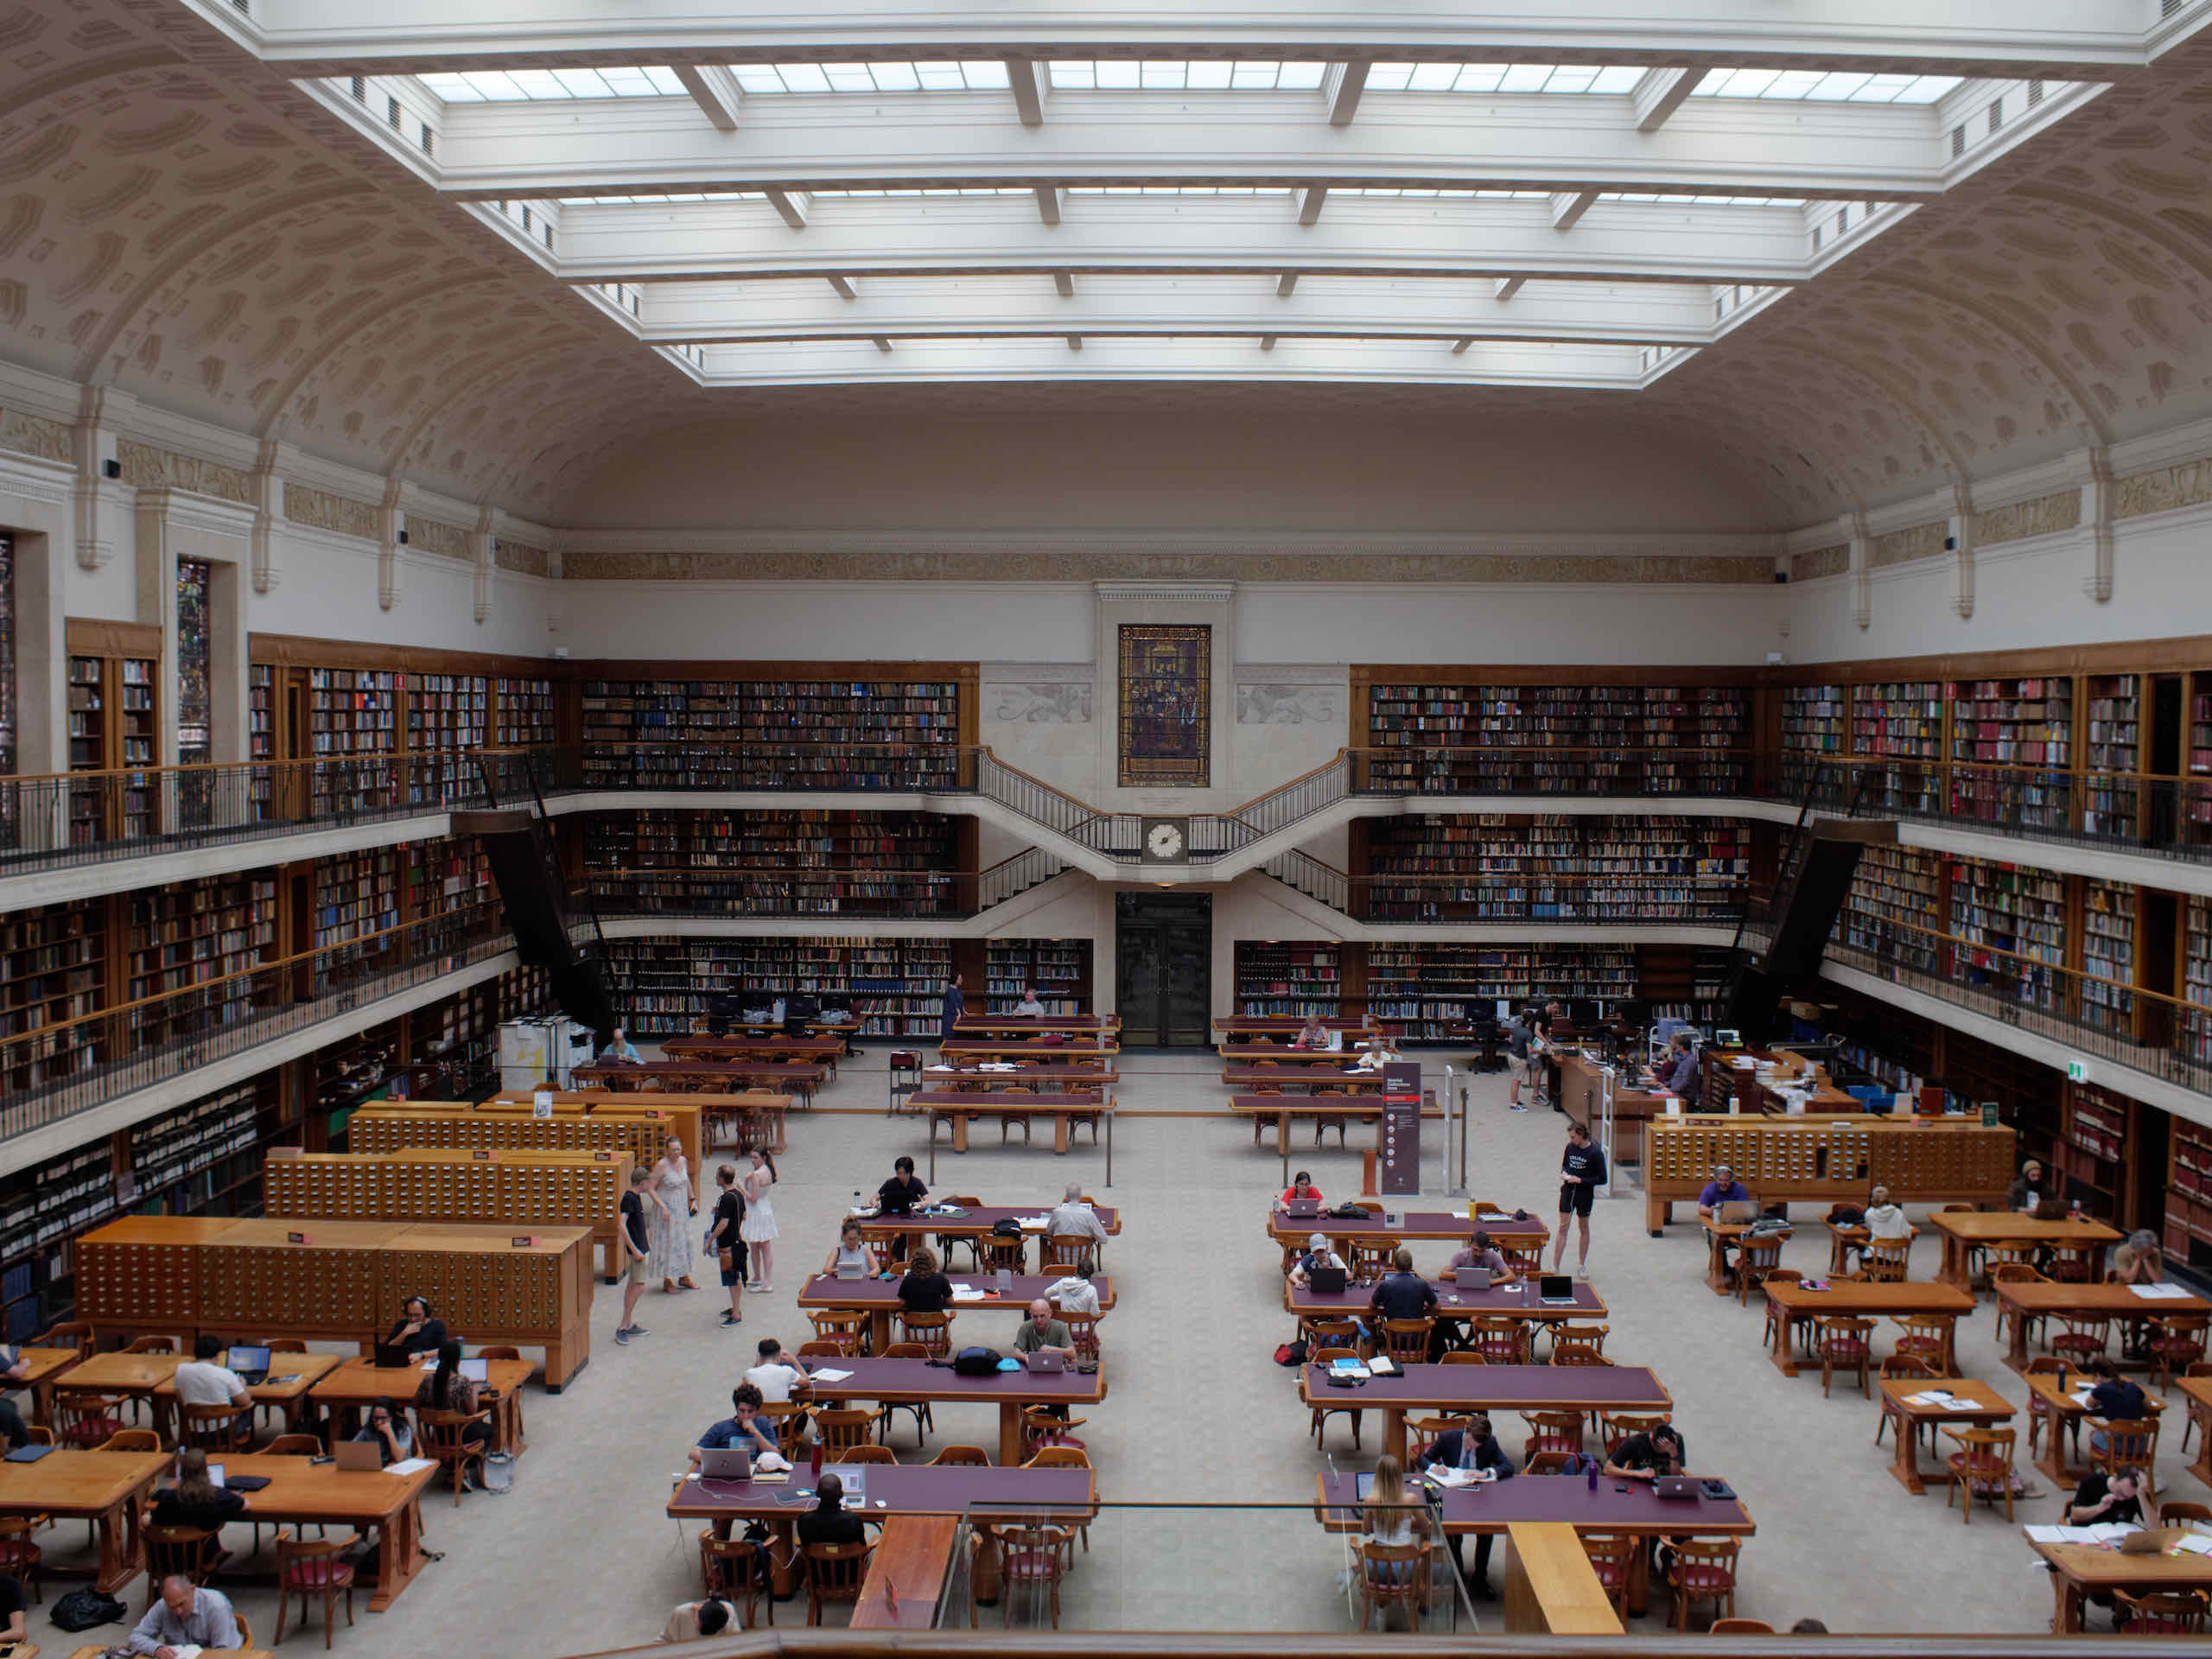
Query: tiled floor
[581,1557]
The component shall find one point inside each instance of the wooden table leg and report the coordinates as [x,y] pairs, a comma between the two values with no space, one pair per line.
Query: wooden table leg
[1010,1447]
[1905,1469]
[1394,1432]
[399,1555]
[1785,1344]
[1639,1579]
[960,1131]
[1059,1133]
[117,1529]
[1716,1265]
[2201,1416]
[879,1330]
[1953,1270]
[2065,1614]
[2017,1357]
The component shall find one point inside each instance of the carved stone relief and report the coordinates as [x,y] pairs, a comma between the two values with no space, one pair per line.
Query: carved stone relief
[603,565]
[319,510]
[1820,562]
[34,434]
[2046,515]
[1268,704]
[431,536]
[525,561]
[1908,546]
[1065,704]
[2185,483]
[146,468]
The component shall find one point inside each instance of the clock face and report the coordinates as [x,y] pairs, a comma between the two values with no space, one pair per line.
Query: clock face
[1166,841]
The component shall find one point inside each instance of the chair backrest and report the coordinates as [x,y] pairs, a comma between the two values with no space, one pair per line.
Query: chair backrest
[79,1416]
[298,1346]
[1708,1554]
[840,1329]
[1033,1552]
[1496,1337]
[186,1550]
[2134,1441]
[725,1564]
[834,1571]
[2097,1326]
[131,1440]
[934,1331]
[245,1630]
[1762,1253]
[2168,1612]
[1843,1328]
[2015,1273]
[2179,1514]
[1613,1550]
[295,1445]
[867,1454]
[1782,1275]
[1523,1259]
[1554,1431]
[965,1201]
[439,1433]
[904,1350]
[1614,1426]
[1985,1449]
[1551,1462]
[1466,1356]
[1082,1333]
[1370,1258]
[1332,1333]
[1065,1249]
[841,1430]
[296,1559]
[2047,1364]
[1406,1340]
[1742,1627]
[1579,1344]
[1389,1570]
[502,1351]
[1885,1263]
[150,1346]
[1907,1365]
[210,1427]
[824,1348]
[76,1333]
[972,1457]
[1929,1327]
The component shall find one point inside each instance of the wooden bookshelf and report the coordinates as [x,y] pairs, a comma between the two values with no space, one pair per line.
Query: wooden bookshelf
[2095,1151]
[2026,722]
[782,863]
[1483,867]
[896,985]
[1059,969]
[447,711]
[2107,937]
[448,878]
[353,711]
[1897,890]
[1816,719]
[2187,1230]
[114,723]
[204,1159]
[1433,987]
[527,715]
[1902,718]
[2112,727]
[357,894]
[2005,907]
[2195,1038]
[189,934]
[1298,977]
[2196,759]
[52,968]
[43,1207]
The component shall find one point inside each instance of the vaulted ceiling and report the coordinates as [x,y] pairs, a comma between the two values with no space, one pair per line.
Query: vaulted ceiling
[202,206]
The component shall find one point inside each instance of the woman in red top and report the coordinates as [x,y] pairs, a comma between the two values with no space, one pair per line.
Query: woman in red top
[1302,1187]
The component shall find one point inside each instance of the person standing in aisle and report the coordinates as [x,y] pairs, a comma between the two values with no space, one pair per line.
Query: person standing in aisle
[758,1229]
[638,1252]
[729,1236]
[1581,1172]
[672,1219]
[955,1004]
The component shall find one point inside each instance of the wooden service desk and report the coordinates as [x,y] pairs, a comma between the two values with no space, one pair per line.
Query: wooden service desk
[152,1377]
[350,1387]
[915,1382]
[2078,1571]
[1826,1158]
[1286,1229]
[953,1108]
[1582,1093]
[2043,1300]
[2051,1396]
[1308,1077]
[906,1574]
[1458,1389]
[1912,1419]
[339,1280]
[974,1221]
[700,1076]
[802,1050]
[1033,1025]
[305,1493]
[1073,1078]
[879,1298]
[2196,1393]
[495,1185]
[103,1488]
[1964,1231]
[42,1366]
[1789,1305]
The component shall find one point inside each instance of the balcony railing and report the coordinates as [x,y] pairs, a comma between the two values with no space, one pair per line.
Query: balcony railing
[775,890]
[1505,896]
[49,1073]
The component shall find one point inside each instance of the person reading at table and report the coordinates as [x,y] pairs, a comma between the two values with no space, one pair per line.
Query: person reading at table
[14,1369]
[417,1331]
[744,1426]
[924,1290]
[1314,1033]
[1031,1006]
[196,1501]
[1648,1455]
[185,1617]
[1318,1254]
[1380,1053]
[853,1251]
[828,1522]
[1073,1214]
[775,1373]
[1075,1293]
[1402,1293]
[1302,1187]
[2114,1398]
[1392,1517]
[1482,1252]
[1473,1451]
[1581,1172]
[388,1427]
[203,1380]
[2117,1498]
[897,1197]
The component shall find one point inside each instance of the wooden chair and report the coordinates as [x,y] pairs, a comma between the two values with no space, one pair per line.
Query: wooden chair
[1321,1414]
[189,1551]
[846,1328]
[20,1558]
[1552,1431]
[1612,1557]
[1886,1263]
[246,1632]
[1779,1276]
[1032,1557]
[786,1421]
[969,1457]
[946,1243]
[1407,1341]
[2181,1515]
[1525,1260]
[1742,1627]
[1008,1121]
[1064,1457]
[2198,1412]
[1040,1429]
[2175,1342]
[2004,1253]
[1012,1254]
[2069,1265]
[1087,1120]
[1063,1252]
[305,1569]
[1580,1345]
[930,1332]
[2171,1613]
[1704,1569]
[2084,1337]
[1497,1339]
[834,1573]
[512,1401]
[823,1348]
[1323,1125]
[2039,1417]
[298,1346]
[1929,1337]
[1982,1465]
[1422,1432]
[1464,1356]
[2126,1445]
[842,1431]
[215,1429]
[84,1419]
[730,1568]
[1328,1332]
[1550,1463]
[294,1446]
[1368,1259]
[868,1454]
[1393,1575]
[131,1440]
[75,1333]
[1755,1259]
[150,1346]
[2017,1273]
[1264,1121]
[918,1409]
[439,1434]
[1082,1336]
[1614,1426]
[1843,1344]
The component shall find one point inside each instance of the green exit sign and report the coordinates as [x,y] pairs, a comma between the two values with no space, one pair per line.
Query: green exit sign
[2077,1070]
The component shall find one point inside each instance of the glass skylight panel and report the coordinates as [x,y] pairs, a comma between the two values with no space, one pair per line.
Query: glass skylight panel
[1426,193]
[1179,190]
[929,75]
[505,86]
[1187,74]
[654,201]
[1021,190]
[1813,85]
[1565,77]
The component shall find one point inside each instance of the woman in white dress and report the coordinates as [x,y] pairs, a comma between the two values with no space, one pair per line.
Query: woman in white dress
[759,1225]
[669,1222]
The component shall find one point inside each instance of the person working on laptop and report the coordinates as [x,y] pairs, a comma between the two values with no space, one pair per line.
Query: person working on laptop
[1723,1188]
[1647,1456]
[2028,1189]
[854,1254]
[196,1501]
[1302,1187]
[1318,1254]
[1075,1293]
[185,1617]
[1581,1172]
[1676,1072]
[620,1048]
[1402,1293]
[1031,1006]
[388,1426]
[415,1331]
[1481,1253]
[204,1380]
[828,1522]
[1041,1333]
[744,1426]
[1074,1215]
[1473,1449]
[898,1197]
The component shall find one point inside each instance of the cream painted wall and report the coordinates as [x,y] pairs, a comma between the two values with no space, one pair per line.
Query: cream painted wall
[326,589]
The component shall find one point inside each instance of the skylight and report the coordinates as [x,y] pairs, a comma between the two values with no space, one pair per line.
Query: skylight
[1181,74]
[1857,88]
[1022,190]
[1502,78]
[1179,190]
[653,201]
[935,75]
[496,85]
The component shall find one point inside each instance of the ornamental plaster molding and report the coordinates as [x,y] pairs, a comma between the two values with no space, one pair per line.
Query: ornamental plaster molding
[1144,575]
[1815,562]
[320,510]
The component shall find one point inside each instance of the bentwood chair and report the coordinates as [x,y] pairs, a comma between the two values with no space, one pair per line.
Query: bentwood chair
[1393,1575]
[183,1551]
[1324,1358]
[2082,1338]
[442,1435]
[842,1431]
[918,1409]
[736,1569]
[2176,1344]
[1703,1569]
[969,1457]
[1613,1555]
[1981,1467]
[834,1573]
[1407,1341]
[2133,1443]
[2172,1612]
[1552,1431]
[305,1569]
[1843,1346]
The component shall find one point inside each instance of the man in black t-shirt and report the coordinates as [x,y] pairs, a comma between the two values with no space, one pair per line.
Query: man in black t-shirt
[1647,1456]
[730,1217]
[828,1522]
[637,1246]
[1402,1293]
[2099,1498]
[897,1197]
[1581,1172]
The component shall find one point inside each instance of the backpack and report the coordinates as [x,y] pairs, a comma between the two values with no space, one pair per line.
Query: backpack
[1006,1227]
[975,1361]
[1291,1353]
[1352,1212]
[82,1609]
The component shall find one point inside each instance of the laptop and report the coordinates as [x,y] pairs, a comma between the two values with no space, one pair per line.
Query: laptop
[1302,1209]
[478,1371]
[1470,1277]
[726,1463]
[359,1456]
[851,1270]
[1555,1290]
[389,1356]
[1677,1486]
[1048,1361]
[2143,1542]
[1330,1282]
[251,1365]
[2053,1209]
[1737,1212]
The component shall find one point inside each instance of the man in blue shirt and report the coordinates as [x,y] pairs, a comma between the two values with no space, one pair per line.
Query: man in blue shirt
[742,1427]
[1475,1449]
[1723,1188]
[620,1048]
[955,1004]
[1676,1073]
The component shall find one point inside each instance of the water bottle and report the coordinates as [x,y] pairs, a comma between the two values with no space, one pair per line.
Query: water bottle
[814,1464]
[1593,1477]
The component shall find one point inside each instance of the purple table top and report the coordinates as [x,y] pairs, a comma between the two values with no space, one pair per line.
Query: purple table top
[1496,1388]
[1412,1223]
[999,1100]
[874,1378]
[1568,1498]
[826,1291]
[906,1489]
[976,1219]
[1521,1303]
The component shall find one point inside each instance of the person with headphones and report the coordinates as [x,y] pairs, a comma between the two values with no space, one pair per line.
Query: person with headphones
[417,1331]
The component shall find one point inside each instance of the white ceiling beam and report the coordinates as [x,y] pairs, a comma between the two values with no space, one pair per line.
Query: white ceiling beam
[844,287]
[1568,207]
[675,313]
[1295,359]
[1733,146]
[1048,204]
[1507,289]
[1358,236]
[1342,87]
[791,206]
[2083,38]
[1064,284]
[1286,284]
[1660,93]
[714,90]
[1026,77]
[1309,203]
